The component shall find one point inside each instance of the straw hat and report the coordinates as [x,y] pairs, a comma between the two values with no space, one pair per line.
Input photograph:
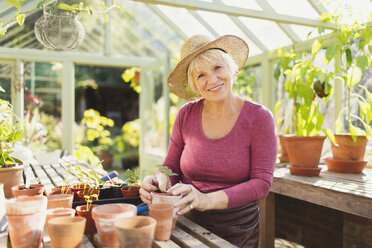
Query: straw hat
[195,45]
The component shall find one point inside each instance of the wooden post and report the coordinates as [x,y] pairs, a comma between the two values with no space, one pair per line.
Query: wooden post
[267,221]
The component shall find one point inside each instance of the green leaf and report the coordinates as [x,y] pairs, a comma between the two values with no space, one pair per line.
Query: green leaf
[277,106]
[326,17]
[277,71]
[66,7]
[20,19]
[317,44]
[362,62]
[15,3]
[349,58]
[354,75]
[331,52]
[330,135]
[354,132]
[370,49]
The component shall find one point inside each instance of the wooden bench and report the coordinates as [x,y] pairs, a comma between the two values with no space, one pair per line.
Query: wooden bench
[350,193]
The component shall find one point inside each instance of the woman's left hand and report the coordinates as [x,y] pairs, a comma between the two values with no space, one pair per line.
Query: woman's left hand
[193,198]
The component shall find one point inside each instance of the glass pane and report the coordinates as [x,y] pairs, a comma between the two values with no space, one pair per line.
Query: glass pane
[303,31]
[274,39]
[224,25]
[300,8]
[6,81]
[361,9]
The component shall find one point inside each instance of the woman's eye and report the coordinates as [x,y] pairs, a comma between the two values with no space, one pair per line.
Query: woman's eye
[217,67]
[200,75]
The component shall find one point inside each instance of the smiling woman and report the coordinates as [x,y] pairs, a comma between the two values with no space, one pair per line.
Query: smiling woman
[222,147]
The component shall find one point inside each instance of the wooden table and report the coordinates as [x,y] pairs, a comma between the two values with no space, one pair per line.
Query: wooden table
[350,193]
[186,233]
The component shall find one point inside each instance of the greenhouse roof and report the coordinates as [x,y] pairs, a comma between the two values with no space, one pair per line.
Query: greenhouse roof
[149,28]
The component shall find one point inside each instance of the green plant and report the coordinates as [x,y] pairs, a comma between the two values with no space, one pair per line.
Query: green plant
[131,76]
[353,42]
[162,176]
[88,199]
[165,170]
[128,142]
[245,83]
[132,177]
[304,84]
[11,130]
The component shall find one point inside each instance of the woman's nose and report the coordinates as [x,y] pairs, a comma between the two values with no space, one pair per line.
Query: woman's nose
[213,77]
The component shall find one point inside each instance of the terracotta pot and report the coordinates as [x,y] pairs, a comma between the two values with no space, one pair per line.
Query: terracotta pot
[66,232]
[106,157]
[26,205]
[90,227]
[347,149]
[77,187]
[104,217]
[10,177]
[26,218]
[137,231]
[284,155]
[345,166]
[304,151]
[2,209]
[130,191]
[305,171]
[82,193]
[60,201]
[59,190]
[167,198]
[56,213]
[163,214]
[35,189]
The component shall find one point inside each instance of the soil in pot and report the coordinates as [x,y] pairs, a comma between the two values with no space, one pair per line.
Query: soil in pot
[158,197]
[10,177]
[104,217]
[137,231]
[345,166]
[60,201]
[130,191]
[35,189]
[90,227]
[66,232]
[347,149]
[163,214]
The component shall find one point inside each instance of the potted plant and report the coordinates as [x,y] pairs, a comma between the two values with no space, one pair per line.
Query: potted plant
[86,212]
[11,131]
[132,179]
[303,78]
[351,130]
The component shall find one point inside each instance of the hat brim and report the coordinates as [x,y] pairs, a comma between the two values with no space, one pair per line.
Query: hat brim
[236,47]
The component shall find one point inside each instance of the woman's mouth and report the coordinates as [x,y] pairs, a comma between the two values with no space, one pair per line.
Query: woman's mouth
[216,88]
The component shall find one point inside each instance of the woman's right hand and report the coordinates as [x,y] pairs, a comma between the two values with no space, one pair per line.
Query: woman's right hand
[148,185]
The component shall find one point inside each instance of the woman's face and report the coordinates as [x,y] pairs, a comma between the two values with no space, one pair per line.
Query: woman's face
[213,80]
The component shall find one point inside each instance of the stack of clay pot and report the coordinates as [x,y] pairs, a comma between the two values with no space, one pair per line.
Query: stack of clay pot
[26,218]
[105,215]
[163,214]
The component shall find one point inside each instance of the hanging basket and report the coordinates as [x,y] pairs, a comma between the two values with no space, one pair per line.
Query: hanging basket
[59,29]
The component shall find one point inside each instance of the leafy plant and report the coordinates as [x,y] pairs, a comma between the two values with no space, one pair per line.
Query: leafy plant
[132,177]
[165,170]
[353,42]
[128,142]
[88,199]
[162,176]
[129,76]
[11,130]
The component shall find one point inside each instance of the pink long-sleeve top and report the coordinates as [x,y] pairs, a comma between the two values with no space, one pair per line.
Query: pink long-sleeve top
[241,163]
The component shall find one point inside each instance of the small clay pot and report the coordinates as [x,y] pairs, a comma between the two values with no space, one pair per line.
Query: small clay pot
[77,187]
[89,192]
[305,171]
[130,191]
[284,154]
[56,213]
[66,232]
[35,189]
[137,231]
[90,227]
[104,217]
[158,197]
[26,205]
[61,190]
[60,201]
[163,214]
[345,166]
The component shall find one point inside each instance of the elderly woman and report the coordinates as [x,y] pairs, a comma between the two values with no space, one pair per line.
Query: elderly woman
[222,147]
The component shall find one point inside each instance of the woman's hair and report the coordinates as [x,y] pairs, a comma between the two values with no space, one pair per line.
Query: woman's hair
[210,55]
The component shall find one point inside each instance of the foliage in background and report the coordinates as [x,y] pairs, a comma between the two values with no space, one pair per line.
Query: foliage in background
[132,176]
[245,83]
[127,142]
[10,132]
[129,76]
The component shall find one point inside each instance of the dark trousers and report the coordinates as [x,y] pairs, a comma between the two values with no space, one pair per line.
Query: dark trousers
[239,226]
